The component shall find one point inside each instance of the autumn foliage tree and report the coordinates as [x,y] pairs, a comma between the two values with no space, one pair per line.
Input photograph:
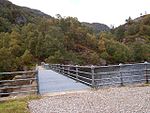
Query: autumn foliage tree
[35,37]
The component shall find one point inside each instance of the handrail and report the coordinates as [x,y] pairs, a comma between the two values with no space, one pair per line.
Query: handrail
[1,81]
[18,92]
[17,72]
[21,79]
[14,87]
[110,72]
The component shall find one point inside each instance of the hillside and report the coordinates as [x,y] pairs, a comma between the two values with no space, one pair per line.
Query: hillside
[13,14]
[28,37]
[136,35]
[96,27]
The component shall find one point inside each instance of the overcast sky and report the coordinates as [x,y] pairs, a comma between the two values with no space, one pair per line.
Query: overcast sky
[110,12]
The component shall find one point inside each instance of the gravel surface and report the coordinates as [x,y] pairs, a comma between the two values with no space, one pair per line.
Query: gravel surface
[106,100]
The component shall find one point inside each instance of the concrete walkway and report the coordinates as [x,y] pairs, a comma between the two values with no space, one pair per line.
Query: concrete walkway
[50,81]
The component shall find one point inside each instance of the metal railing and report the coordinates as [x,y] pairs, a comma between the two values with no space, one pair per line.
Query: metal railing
[96,76]
[13,83]
[79,73]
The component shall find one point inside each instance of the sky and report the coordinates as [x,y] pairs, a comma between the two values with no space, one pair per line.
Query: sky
[109,12]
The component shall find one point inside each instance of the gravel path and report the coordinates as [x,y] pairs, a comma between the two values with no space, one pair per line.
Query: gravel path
[106,100]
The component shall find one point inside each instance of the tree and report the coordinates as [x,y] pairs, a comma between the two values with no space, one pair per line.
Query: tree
[129,21]
[92,41]
[101,44]
[145,30]
[7,61]
[27,58]
[120,33]
[15,44]
[141,52]
[133,29]
[93,58]
[58,16]
[5,25]
[117,51]
[104,55]
[146,20]
[56,58]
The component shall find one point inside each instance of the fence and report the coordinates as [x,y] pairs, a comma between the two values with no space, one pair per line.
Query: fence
[96,76]
[14,83]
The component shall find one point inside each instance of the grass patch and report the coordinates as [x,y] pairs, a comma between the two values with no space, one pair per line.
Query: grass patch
[16,105]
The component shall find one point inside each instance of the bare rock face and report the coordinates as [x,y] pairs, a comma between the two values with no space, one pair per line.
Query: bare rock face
[19,15]
[2,1]
[20,20]
[103,62]
[5,2]
[96,27]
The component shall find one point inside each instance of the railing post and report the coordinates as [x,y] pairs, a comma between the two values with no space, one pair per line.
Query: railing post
[121,78]
[49,66]
[68,69]
[63,69]
[146,75]
[59,68]
[93,76]
[55,67]
[52,66]
[76,71]
[37,81]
